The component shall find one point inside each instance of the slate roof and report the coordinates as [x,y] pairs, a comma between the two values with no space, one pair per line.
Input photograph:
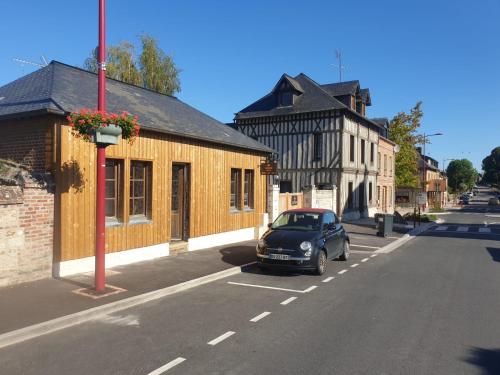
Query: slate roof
[382,121]
[313,98]
[365,96]
[60,88]
[342,88]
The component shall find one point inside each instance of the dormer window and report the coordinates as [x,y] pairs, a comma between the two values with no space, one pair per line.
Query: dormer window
[285,98]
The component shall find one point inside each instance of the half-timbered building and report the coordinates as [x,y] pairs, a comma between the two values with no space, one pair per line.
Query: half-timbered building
[188,181]
[322,137]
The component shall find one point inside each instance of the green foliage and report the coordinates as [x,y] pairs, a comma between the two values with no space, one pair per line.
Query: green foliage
[403,132]
[153,69]
[425,218]
[461,175]
[491,167]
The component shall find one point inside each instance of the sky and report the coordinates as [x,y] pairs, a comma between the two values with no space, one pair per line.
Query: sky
[443,53]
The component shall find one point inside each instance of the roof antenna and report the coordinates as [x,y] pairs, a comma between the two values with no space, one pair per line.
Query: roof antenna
[338,55]
[28,62]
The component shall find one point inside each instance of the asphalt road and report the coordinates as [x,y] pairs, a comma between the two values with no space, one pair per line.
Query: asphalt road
[430,307]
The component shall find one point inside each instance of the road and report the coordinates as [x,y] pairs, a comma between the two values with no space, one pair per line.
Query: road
[430,307]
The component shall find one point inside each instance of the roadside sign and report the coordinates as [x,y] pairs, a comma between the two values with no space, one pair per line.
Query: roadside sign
[268,168]
[421,198]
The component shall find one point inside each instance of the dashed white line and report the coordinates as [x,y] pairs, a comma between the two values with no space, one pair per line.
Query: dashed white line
[311,288]
[167,366]
[354,265]
[328,279]
[341,272]
[365,259]
[485,230]
[368,247]
[221,338]
[440,228]
[266,287]
[462,229]
[260,316]
[373,255]
[287,301]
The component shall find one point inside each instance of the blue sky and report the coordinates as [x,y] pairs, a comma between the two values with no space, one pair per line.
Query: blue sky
[444,53]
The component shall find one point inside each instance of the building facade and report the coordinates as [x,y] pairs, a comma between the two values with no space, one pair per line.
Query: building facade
[187,182]
[322,138]
[385,179]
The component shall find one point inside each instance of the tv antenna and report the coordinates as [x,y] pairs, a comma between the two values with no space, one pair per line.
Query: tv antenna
[338,55]
[29,62]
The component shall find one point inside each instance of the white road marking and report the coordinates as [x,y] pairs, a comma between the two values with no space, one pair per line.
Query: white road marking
[328,279]
[260,316]
[168,366]
[354,265]
[221,338]
[365,259]
[485,230]
[267,287]
[126,320]
[310,289]
[393,238]
[287,301]
[343,271]
[492,215]
[373,255]
[462,229]
[368,247]
[442,228]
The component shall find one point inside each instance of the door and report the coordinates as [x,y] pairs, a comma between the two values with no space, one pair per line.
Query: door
[179,217]
[384,199]
[362,197]
[332,235]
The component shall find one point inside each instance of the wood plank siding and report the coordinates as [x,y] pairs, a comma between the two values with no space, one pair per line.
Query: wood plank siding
[293,139]
[209,191]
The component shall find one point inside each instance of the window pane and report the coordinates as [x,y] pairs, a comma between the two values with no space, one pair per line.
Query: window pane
[110,170]
[138,171]
[110,189]
[138,189]
[110,207]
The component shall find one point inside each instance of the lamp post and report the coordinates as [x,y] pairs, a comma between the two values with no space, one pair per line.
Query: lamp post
[100,277]
[424,183]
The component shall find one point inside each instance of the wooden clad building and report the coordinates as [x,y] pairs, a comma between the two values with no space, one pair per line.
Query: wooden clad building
[187,179]
[322,137]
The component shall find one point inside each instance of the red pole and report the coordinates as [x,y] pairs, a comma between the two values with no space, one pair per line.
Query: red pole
[100,276]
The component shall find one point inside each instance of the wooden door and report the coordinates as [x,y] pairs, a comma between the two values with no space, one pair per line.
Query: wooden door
[179,218]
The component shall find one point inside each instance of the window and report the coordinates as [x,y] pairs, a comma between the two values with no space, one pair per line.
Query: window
[140,189]
[362,151]
[379,163]
[234,199]
[351,149]
[317,146]
[328,220]
[350,202]
[378,195]
[390,165]
[248,189]
[372,153]
[285,98]
[370,192]
[385,165]
[114,190]
[285,186]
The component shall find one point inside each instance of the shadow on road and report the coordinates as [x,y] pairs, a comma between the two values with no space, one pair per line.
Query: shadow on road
[495,254]
[486,359]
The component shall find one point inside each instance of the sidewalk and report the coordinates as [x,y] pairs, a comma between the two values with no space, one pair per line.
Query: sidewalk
[39,301]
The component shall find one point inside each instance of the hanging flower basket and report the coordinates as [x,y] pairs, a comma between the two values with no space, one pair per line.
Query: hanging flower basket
[103,128]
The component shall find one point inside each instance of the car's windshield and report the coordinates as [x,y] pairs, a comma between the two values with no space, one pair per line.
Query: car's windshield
[297,221]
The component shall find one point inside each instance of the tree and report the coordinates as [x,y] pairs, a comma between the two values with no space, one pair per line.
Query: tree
[153,69]
[461,175]
[491,167]
[403,131]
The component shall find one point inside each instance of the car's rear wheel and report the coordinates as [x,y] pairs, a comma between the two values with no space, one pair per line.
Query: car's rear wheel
[345,251]
[321,266]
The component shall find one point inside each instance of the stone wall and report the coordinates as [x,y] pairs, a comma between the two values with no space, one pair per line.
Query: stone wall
[26,227]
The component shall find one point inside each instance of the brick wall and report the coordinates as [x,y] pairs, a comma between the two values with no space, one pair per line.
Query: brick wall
[27,142]
[26,229]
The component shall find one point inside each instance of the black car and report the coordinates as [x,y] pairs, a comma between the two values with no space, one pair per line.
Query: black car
[303,239]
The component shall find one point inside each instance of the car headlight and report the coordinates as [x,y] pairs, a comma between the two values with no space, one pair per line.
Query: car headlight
[306,245]
[261,243]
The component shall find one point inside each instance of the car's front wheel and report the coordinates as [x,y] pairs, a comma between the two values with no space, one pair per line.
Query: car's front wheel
[321,266]
[345,251]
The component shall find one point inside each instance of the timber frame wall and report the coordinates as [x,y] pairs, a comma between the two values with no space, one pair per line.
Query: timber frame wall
[209,213]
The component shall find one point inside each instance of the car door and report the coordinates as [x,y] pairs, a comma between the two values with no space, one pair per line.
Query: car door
[329,233]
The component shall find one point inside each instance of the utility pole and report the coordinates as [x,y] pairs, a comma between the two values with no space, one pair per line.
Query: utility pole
[338,54]
[100,276]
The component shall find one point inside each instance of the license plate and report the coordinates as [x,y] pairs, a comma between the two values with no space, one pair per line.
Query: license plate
[279,256]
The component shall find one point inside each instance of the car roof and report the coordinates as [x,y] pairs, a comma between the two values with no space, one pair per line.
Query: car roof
[310,210]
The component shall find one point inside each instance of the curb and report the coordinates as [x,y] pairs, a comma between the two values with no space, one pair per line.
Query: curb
[30,332]
[407,237]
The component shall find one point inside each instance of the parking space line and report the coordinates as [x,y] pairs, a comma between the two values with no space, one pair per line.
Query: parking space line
[341,272]
[221,338]
[287,301]
[266,287]
[365,259]
[310,289]
[368,247]
[328,279]
[167,366]
[354,265]
[373,255]
[393,238]
[255,319]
